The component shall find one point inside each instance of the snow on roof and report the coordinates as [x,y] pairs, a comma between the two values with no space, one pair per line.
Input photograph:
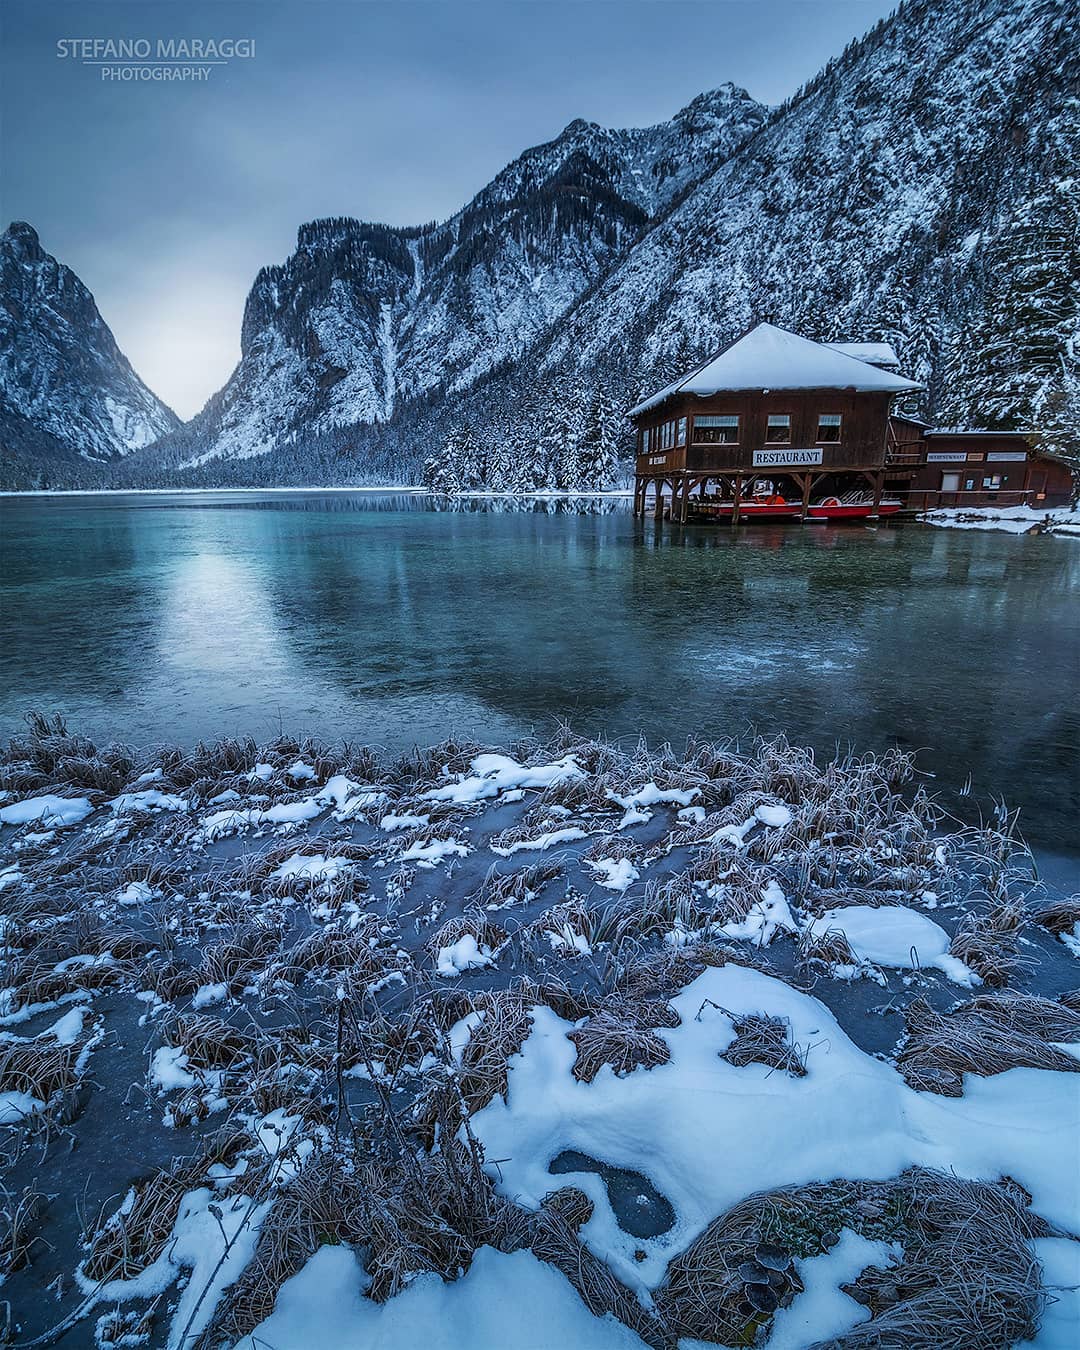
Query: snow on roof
[772,358]
[873,353]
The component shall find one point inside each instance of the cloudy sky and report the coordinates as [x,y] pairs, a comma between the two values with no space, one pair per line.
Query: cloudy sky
[166,198]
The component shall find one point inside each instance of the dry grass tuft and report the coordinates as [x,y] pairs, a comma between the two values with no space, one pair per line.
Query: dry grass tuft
[556,1241]
[500,1034]
[968,1276]
[325,1204]
[616,1039]
[135,1235]
[573,1206]
[474,923]
[990,1034]
[235,960]
[987,942]
[1060,917]
[761,1039]
[502,890]
[208,1042]
[818,953]
[20,1216]
[40,1067]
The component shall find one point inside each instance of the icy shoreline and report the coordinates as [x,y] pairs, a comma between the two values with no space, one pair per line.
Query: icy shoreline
[1011,519]
[349,1011]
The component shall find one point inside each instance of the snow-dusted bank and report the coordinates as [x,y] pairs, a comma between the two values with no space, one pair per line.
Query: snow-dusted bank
[546,1047]
[1010,519]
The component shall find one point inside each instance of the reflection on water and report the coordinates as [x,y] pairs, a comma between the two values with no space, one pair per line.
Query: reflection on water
[379,618]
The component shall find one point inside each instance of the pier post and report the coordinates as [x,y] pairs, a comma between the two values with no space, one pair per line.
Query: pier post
[807,480]
[738,500]
[879,486]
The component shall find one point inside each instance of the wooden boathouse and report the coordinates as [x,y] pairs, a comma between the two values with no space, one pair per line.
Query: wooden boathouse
[772,417]
[944,466]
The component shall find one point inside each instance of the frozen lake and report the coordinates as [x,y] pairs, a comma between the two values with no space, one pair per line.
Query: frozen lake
[379,618]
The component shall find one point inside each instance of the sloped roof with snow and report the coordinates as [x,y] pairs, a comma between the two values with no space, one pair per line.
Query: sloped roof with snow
[873,353]
[771,358]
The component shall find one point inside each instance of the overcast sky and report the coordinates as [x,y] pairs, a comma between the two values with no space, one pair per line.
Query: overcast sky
[166,198]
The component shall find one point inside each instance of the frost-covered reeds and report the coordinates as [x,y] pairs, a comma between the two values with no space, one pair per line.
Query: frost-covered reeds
[989,1034]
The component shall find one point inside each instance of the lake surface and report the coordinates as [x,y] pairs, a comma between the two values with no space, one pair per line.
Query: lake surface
[384,618]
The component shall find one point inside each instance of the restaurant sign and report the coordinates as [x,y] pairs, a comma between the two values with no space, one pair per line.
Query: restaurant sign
[778,459]
[946,457]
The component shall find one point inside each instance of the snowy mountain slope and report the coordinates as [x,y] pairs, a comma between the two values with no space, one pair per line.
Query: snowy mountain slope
[876,206]
[66,389]
[362,318]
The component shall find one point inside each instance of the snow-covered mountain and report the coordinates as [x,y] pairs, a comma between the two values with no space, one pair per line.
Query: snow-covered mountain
[921,190]
[363,320]
[66,390]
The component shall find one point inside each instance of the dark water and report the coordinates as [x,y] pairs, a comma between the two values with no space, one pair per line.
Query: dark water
[639,1208]
[380,619]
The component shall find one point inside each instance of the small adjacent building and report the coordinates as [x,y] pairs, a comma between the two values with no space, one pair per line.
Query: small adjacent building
[771,413]
[941,466]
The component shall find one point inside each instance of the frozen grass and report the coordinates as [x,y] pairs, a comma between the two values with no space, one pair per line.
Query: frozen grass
[325,946]
[968,1276]
[990,1034]
[132,1238]
[762,1039]
[20,1217]
[616,1038]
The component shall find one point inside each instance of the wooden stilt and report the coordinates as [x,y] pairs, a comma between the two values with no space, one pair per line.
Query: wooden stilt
[658,504]
[738,499]
[879,487]
[807,481]
[684,501]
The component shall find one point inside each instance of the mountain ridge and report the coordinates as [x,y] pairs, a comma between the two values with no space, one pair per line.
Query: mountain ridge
[65,385]
[917,190]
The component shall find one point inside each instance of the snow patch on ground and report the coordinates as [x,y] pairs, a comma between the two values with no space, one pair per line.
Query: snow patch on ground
[50,810]
[513,1302]
[851,1116]
[465,954]
[614,874]
[492,774]
[895,936]
[1011,519]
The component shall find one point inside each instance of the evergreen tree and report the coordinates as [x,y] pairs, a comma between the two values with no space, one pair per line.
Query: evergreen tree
[599,453]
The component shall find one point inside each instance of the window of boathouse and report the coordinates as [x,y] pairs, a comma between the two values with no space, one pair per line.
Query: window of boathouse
[716,430]
[779,429]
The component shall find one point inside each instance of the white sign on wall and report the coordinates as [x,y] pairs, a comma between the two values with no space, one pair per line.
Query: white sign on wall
[946,457]
[1007,456]
[778,459]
